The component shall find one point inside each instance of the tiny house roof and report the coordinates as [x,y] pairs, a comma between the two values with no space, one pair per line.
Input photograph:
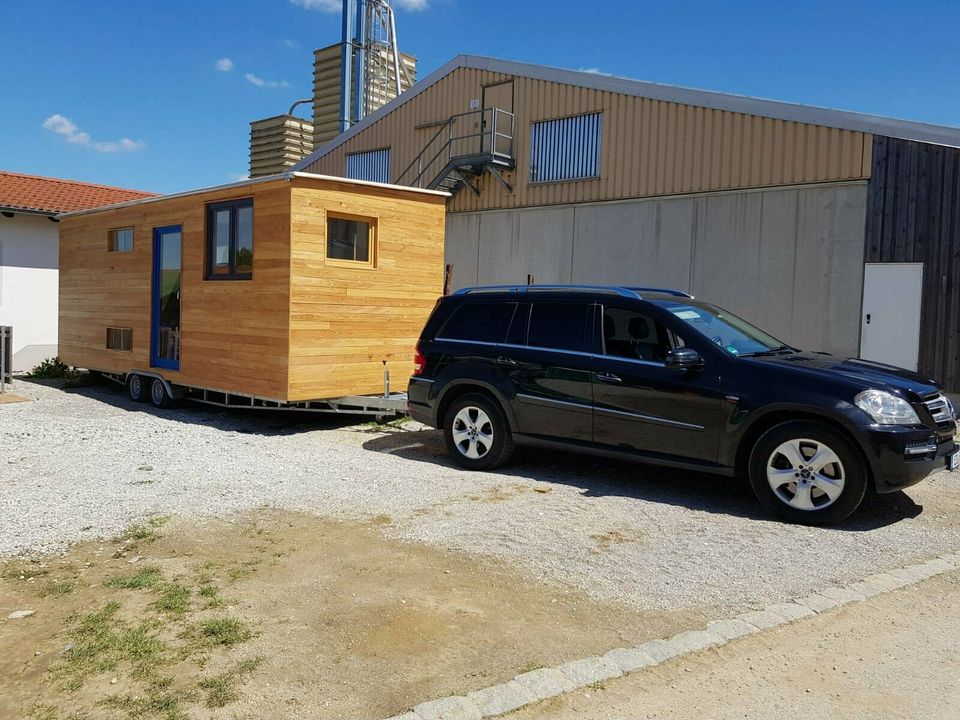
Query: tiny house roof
[286,176]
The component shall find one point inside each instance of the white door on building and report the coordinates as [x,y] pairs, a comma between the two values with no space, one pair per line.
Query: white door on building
[890,324]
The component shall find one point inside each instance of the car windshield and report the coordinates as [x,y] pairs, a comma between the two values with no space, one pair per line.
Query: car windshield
[734,335]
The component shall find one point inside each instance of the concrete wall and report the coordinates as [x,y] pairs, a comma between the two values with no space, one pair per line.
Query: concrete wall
[28,287]
[789,259]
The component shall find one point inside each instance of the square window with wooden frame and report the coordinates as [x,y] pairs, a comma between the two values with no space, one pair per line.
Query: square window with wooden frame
[120,339]
[121,240]
[351,240]
[229,253]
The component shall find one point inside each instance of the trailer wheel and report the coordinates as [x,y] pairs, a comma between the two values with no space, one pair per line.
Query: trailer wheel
[137,388]
[159,395]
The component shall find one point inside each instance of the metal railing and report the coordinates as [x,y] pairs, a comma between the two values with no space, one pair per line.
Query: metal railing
[493,139]
[6,356]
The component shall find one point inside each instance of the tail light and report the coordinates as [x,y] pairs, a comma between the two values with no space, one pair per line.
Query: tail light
[419,362]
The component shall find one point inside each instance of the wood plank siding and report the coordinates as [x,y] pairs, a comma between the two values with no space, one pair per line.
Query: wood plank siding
[344,321]
[913,215]
[648,148]
[302,328]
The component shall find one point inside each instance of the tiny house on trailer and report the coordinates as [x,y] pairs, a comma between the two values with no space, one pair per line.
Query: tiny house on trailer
[293,290]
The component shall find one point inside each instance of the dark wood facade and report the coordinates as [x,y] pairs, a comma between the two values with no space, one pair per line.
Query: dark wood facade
[913,215]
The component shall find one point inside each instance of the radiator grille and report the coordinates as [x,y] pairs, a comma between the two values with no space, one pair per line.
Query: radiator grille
[941,409]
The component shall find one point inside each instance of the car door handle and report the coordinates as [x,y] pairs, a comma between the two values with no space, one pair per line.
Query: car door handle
[506,362]
[608,378]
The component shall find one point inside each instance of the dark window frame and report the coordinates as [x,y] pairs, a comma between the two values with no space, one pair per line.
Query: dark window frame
[112,239]
[211,210]
[122,333]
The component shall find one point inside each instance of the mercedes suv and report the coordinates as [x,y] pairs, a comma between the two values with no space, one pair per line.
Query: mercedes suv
[657,376]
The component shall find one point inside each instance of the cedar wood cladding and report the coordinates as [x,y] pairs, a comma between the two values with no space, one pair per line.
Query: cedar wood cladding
[913,215]
[649,147]
[300,329]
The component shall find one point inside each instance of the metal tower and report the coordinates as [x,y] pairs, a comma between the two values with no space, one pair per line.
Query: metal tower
[371,65]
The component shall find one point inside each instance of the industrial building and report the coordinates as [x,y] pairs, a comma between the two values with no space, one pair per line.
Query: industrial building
[836,231]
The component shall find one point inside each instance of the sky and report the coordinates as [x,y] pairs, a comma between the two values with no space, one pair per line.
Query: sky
[159,95]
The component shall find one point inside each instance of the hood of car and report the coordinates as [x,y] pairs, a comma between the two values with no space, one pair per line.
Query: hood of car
[869,374]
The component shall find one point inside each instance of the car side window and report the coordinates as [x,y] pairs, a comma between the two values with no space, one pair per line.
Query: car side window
[558,325]
[479,322]
[634,336]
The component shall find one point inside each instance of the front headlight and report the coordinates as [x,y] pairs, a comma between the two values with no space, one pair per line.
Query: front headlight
[886,409]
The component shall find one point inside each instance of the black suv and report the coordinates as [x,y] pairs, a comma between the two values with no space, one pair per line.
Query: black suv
[654,375]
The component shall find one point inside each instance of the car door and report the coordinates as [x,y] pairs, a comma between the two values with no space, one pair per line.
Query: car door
[641,404]
[549,369]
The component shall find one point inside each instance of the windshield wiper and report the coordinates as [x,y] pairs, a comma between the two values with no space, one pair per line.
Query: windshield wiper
[771,351]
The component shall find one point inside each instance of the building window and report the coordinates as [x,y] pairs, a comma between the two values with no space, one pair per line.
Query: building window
[121,240]
[566,149]
[351,240]
[230,240]
[120,339]
[373,166]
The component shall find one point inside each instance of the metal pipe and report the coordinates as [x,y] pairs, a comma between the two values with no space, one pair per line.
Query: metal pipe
[396,48]
[3,359]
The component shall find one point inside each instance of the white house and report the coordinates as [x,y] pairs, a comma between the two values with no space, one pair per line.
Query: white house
[29,255]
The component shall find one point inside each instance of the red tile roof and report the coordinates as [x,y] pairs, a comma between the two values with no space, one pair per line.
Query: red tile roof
[53,195]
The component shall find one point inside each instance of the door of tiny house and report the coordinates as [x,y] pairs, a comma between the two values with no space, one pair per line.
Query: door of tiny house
[165,313]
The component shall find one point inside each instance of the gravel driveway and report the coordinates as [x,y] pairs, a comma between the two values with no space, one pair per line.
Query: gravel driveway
[86,463]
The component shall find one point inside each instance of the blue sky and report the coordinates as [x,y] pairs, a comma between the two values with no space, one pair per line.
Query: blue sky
[129,93]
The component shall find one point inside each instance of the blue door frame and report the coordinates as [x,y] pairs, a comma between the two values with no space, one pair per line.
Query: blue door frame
[155,359]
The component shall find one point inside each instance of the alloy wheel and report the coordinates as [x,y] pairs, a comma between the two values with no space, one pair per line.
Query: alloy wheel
[805,474]
[472,432]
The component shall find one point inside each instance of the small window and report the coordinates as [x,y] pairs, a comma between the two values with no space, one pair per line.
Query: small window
[480,322]
[628,334]
[373,166]
[230,240]
[566,149]
[120,339]
[350,240]
[558,325]
[121,240]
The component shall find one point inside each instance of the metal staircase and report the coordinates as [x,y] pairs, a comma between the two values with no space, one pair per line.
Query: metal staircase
[465,147]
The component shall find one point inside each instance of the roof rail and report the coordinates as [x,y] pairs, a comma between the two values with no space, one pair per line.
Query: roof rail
[629,292]
[610,289]
[665,291]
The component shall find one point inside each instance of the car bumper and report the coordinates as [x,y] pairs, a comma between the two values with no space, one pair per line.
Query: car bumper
[901,457]
[420,406]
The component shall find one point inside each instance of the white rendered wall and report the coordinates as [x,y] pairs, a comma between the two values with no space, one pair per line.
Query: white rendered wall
[28,286]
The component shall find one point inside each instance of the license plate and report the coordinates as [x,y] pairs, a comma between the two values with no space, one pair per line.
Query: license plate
[953,460]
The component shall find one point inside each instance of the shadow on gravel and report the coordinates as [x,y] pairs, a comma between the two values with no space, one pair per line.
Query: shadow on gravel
[601,477]
[257,421]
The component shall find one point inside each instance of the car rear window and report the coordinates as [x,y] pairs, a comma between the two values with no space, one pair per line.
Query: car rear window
[479,322]
[558,325]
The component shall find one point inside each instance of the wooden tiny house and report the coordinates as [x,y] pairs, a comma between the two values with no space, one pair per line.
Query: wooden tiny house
[290,288]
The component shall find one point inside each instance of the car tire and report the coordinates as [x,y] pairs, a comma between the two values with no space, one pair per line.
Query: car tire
[808,473]
[138,388]
[159,395]
[477,434]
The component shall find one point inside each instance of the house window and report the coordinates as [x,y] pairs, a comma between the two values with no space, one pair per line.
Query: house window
[566,149]
[120,339]
[121,240]
[351,240]
[373,166]
[230,240]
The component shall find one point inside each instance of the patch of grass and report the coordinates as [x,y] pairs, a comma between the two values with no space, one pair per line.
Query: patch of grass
[42,711]
[147,577]
[101,642]
[174,598]
[530,667]
[225,631]
[57,588]
[159,702]
[211,593]
[222,689]
[29,572]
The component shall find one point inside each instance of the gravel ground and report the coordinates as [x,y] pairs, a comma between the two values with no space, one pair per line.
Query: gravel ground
[84,464]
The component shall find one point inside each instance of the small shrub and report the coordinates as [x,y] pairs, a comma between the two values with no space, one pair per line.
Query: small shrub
[53,369]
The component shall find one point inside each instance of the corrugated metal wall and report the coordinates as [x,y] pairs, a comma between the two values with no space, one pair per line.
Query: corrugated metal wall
[649,147]
[566,149]
[913,215]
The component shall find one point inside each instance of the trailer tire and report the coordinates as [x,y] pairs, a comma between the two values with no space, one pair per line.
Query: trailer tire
[138,388]
[159,395]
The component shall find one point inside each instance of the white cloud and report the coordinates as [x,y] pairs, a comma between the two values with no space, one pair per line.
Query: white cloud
[593,71]
[335,6]
[224,64]
[292,44]
[62,125]
[237,177]
[260,82]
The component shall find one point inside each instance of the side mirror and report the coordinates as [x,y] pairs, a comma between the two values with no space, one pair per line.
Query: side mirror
[684,358]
